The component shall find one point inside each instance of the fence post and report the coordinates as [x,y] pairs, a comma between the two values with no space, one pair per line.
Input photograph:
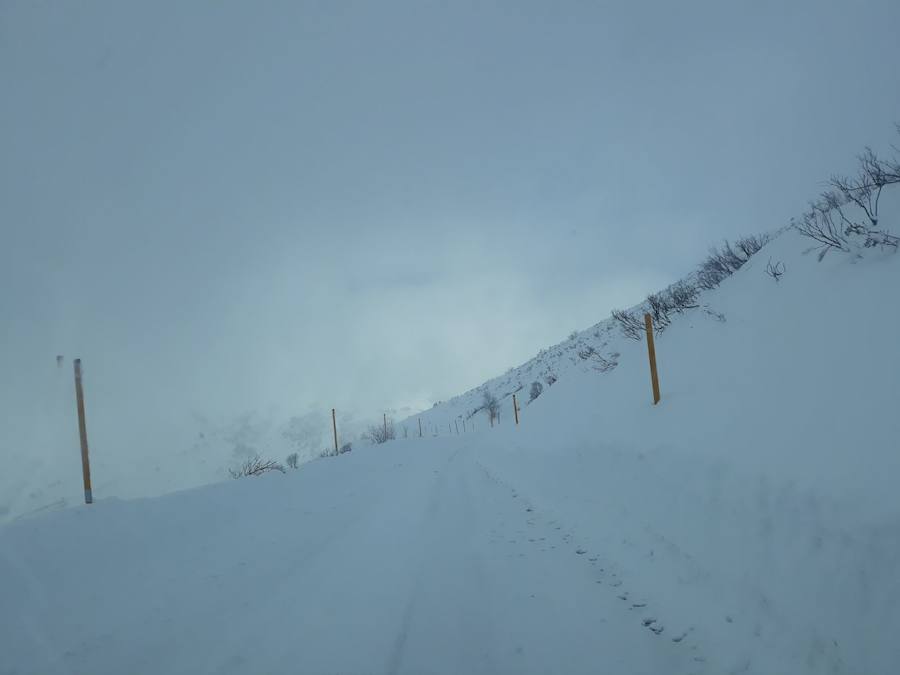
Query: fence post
[385,427]
[82,432]
[420,427]
[651,351]
[334,429]
[456,424]
[516,409]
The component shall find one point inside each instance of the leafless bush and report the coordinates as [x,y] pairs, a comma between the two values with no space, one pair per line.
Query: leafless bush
[330,452]
[550,379]
[586,352]
[292,460]
[536,390]
[819,225]
[632,327]
[722,262]
[660,307]
[255,467]
[380,433]
[750,246]
[775,271]
[491,405]
[833,226]
[589,353]
[683,296]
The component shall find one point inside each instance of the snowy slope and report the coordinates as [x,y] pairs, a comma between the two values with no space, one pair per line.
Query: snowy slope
[749,523]
[161,456]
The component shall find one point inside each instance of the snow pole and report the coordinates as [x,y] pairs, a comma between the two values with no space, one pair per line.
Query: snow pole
[516,409]
[334,429]
[651,351]
[456,424]
[82,432]
[385,426]
[420,427]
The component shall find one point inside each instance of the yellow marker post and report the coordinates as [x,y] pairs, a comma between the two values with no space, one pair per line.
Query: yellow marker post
[334,429]
[82,432]
[651,350]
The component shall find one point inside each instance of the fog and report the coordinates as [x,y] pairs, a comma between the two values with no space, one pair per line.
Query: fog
[274,209]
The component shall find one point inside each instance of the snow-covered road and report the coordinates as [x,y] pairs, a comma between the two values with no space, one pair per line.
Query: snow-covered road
[412,558]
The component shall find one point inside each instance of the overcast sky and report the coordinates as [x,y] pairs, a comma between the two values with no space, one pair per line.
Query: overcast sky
[225,205]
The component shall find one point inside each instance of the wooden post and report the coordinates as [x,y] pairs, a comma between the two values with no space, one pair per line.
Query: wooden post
[82,432]
[385,427]
[334,429]
[651,350]
[516,409]
[456,424]
[420,427]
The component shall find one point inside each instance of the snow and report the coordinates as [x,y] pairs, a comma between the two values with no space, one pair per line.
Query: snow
[409,559]
[749,523]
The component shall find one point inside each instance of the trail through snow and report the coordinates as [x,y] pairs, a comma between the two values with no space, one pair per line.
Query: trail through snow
[426,562]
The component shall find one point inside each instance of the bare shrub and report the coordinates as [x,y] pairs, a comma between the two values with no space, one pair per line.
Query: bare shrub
[536,390]
[819,224]
[550,379]
[833,226]
[660,307]
[330,452]
[491,405]
[380,433]
[722,262]
[750,246]
[775,271]
[586,352]
[683,296]
[256,466]
[293,460]
[632,327]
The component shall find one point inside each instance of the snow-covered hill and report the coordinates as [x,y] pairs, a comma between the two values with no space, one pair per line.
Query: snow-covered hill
[749,523]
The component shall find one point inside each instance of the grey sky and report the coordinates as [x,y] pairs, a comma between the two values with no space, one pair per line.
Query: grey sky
[223,205]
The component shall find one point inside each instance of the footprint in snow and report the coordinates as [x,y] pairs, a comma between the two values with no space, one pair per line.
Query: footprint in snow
[652,625]
[679,638]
